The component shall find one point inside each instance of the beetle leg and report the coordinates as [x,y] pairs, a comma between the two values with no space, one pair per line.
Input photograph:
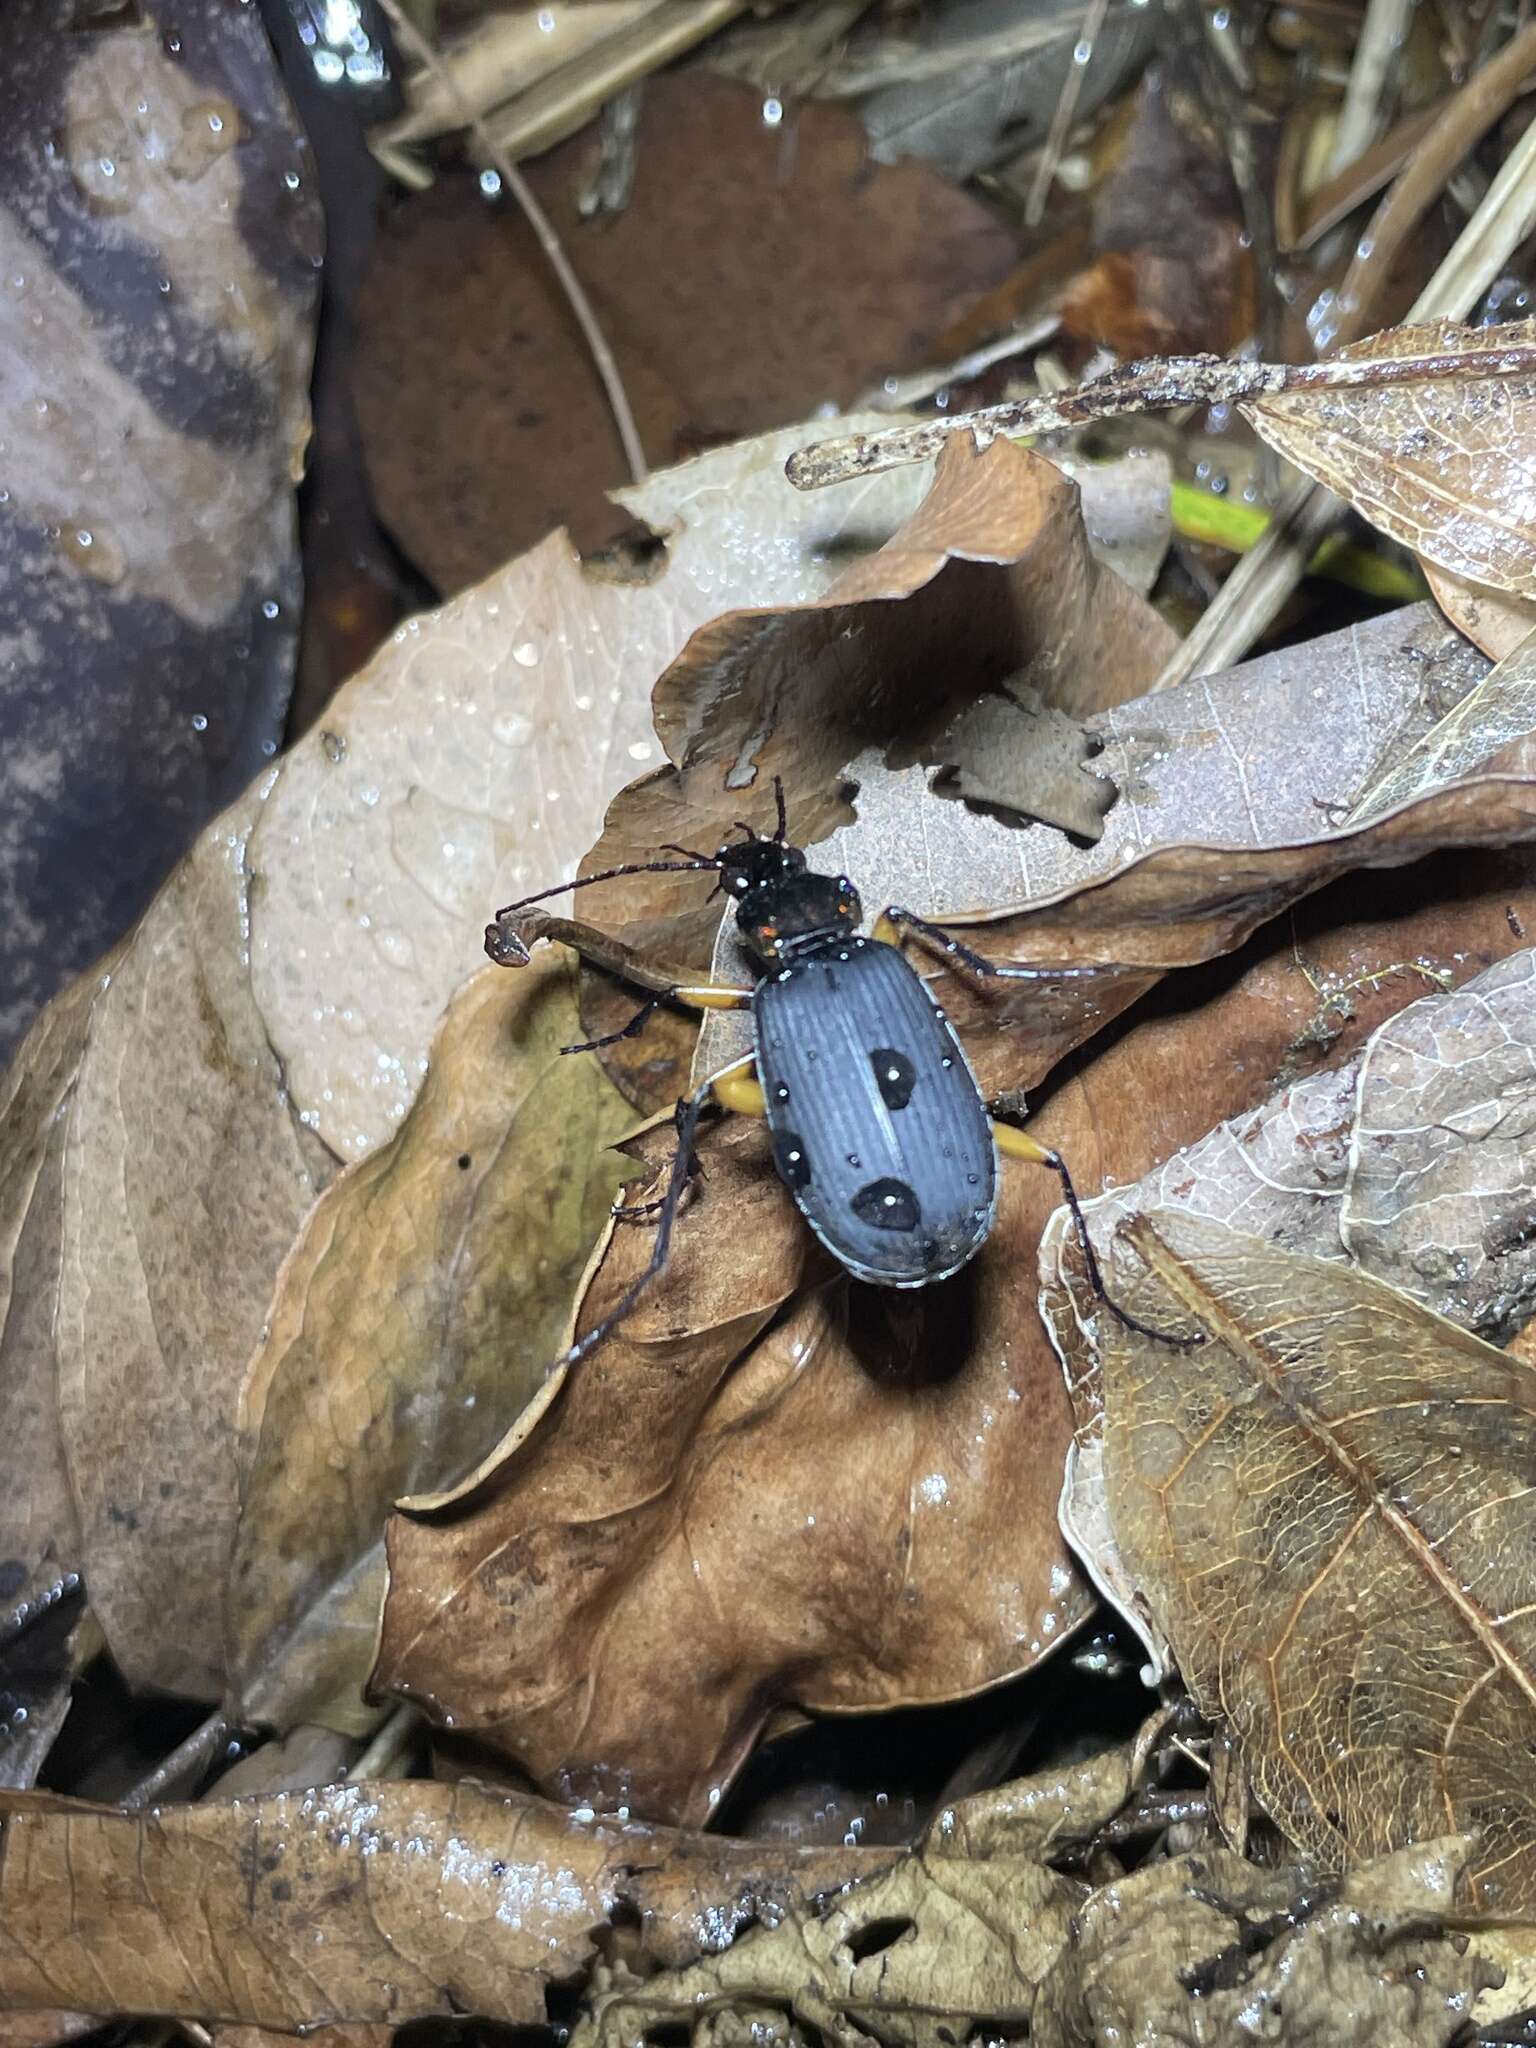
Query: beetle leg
[1016,1144]
[706,996]
[721,1086]
[894,922]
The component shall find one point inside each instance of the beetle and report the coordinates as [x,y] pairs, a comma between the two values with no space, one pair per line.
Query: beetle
[879,1129]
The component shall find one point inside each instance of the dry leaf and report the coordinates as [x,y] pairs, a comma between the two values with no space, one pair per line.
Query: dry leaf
[428,1900]
[810,275]
[1492,622]
[1204,1950]
[1325,1506]
[1500,711]
[413,1318]
[898,1460]
[1414,1158]
[1436,463]
[283,990]
[41,1639]
[1026,757]
[157,325]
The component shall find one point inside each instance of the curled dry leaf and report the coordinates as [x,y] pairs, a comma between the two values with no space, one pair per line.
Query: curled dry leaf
[856,1507]
[413,1318]
[1436,462]
[172,1121]
[431,1900]
[990,581]
[1491,621]
[160,254]
[1326,1508]
[1203,1950]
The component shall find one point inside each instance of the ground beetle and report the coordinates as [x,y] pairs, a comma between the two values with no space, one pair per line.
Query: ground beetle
[879,1129]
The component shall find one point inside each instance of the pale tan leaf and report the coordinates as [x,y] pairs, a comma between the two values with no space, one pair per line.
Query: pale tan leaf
[1441,463]
[1501,710]
[1494,623]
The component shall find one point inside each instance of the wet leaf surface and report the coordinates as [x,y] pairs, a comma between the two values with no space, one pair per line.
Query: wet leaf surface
[381,1902]
[159,243]
[1325,1506]
[414,1316]
[757,272]
[1429,461]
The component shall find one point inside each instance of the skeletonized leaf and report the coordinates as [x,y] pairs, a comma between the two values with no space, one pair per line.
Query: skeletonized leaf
[1499,711]
[1435,462]
[373,1902]
[419,1309]
[1327,1507]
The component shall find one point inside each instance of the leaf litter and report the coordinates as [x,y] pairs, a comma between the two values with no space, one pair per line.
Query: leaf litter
[296,1208]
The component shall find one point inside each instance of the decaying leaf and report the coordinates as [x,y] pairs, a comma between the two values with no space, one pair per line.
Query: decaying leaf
[173,1119]
[361,1903]
[1433,462]
[1413,1159]
[1325,1505]
[1200,1951]
[959,1933]
[41,1636]
[1501,710]
[1492,621]
[415,1315]
[992,578]
[159,243]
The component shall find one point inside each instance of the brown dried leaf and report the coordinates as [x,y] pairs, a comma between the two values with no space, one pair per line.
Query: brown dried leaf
[1500,711]
[1325,1505]
[1491,621]
[1026,757]
[809,1495]
[1440,463]
[924,1437]
[992,579]
[413,1318]
[429,1899]
[157,326]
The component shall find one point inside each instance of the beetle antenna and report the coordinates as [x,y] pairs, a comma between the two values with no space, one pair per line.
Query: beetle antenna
[707,859]
[642,867]
[743,826]
[782,832]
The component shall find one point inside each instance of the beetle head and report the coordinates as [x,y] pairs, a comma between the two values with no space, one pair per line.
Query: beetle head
[778,900]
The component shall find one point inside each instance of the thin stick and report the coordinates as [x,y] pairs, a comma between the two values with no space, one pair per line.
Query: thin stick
[1066,111]
[1155,385]
[602,356]
[194,1754]
[1381,37]
[391,1742]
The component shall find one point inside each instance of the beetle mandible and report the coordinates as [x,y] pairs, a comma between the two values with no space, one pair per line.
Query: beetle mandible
[879,1129]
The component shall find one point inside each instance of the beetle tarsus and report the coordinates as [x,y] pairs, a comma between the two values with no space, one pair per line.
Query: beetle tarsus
[1058,1165]
[632,1029]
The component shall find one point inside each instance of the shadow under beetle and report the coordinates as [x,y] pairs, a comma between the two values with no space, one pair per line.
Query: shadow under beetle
[879,1130]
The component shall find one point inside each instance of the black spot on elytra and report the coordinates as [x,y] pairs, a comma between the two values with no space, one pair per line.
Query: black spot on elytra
[888,1205]
[895,1076]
